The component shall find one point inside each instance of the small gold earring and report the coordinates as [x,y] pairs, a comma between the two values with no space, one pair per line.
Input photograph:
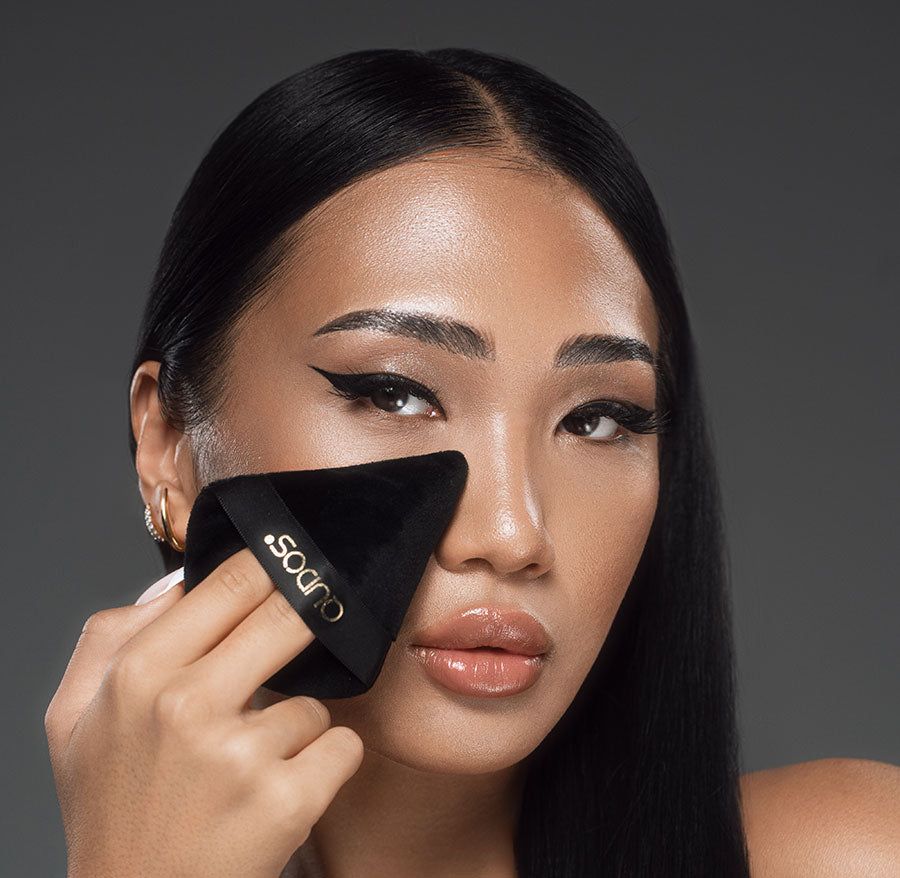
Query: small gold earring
[171,539]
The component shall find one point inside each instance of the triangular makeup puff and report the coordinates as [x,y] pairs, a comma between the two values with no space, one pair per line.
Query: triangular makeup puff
[347,546]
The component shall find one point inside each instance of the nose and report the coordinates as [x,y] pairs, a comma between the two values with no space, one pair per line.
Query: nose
[498,520]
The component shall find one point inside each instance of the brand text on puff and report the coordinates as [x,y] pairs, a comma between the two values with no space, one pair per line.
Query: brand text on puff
[294,562]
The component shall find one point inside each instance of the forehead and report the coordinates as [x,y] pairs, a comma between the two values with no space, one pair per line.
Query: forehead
[526,255]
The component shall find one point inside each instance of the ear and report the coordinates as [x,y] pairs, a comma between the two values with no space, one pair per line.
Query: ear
[164,454]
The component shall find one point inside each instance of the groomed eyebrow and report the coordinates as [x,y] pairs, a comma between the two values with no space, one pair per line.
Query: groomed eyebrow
[467,341]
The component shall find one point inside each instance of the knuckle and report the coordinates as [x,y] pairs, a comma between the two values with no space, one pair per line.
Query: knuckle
[176,707]
[238,580]
[313,710]
[282,614]
[97,624]
[127,671]
[238,755]
[343,744]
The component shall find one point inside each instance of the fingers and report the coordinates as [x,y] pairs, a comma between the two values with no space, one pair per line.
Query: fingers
[229,634]
[206,614]
[260,645]
[312,778]
[286,727]
[103,635]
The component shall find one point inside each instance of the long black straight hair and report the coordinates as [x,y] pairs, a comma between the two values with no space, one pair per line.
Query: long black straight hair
[640,775]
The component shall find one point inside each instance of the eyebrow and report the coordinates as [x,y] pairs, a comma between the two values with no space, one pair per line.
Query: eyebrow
[467,341]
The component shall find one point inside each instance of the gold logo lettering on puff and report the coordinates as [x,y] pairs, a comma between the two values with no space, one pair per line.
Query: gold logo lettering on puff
[294,562]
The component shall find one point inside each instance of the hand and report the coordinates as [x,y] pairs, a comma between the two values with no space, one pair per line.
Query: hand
[161,765]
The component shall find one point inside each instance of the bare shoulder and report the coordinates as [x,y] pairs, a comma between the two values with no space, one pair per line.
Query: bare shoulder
[829,817]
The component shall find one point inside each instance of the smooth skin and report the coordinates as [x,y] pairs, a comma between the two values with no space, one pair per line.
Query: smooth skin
[178,764]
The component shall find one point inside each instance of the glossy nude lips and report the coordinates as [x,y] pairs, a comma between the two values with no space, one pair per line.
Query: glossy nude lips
[486,652]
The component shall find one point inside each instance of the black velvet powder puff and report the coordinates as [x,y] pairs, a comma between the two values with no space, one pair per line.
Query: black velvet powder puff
[347,546]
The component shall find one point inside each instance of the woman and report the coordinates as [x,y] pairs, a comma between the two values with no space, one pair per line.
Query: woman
[387,254]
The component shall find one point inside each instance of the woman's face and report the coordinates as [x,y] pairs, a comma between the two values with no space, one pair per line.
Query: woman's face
[556,510]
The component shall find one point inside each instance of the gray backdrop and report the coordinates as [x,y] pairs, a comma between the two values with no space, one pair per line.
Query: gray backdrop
[769,136]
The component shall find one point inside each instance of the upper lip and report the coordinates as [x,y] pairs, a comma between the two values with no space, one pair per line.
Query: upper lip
[511,629]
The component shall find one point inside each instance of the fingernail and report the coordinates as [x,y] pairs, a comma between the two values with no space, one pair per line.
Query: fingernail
[161,586]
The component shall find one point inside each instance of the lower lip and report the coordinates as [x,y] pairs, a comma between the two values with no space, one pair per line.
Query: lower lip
[484,673]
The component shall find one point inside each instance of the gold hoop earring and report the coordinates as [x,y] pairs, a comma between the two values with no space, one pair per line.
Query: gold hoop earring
[171,539]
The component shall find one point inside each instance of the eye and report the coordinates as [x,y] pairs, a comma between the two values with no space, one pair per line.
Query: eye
[592,425]
[610,421]
[386,391]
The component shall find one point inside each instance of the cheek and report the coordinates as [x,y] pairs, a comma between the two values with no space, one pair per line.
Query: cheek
[605,531]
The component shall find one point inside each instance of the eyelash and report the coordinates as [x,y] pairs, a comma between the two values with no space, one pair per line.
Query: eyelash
[355,385]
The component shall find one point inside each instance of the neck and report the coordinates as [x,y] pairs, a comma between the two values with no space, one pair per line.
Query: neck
[390,819]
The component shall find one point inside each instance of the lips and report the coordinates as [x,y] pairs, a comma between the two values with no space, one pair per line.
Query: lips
[486,652]
[511,630]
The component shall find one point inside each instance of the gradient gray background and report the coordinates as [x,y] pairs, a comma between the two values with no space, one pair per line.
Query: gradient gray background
[769,137]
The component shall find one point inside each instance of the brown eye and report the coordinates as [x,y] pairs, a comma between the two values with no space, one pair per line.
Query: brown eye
[592,425]
[609,421]
[386,391]
[389,398]
[395,399]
